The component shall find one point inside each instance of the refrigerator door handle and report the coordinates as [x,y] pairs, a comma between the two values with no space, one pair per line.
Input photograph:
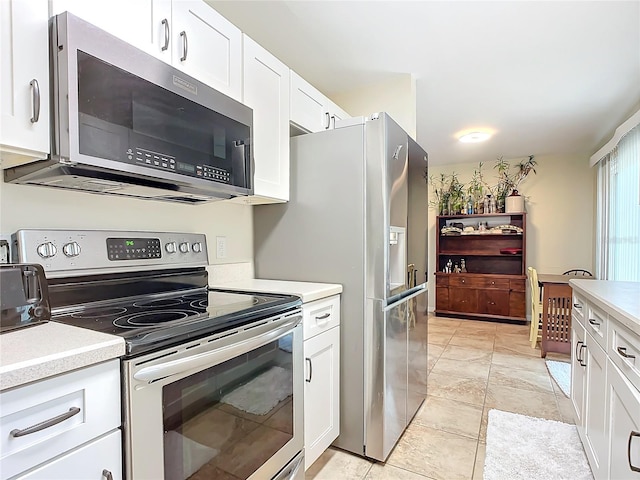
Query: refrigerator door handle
[394,301]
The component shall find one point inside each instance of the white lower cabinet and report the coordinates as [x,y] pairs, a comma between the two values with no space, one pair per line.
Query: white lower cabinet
[595,406]
[322,376]
[624,426]
[63,427]
[605,399]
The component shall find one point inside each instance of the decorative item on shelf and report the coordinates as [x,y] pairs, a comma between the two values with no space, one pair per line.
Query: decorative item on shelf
[507,229]
[451,231]
[463,266]
[514,203]
[511,251]
[508,183]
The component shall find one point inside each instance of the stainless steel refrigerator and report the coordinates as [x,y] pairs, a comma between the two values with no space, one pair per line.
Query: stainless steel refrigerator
[357,216]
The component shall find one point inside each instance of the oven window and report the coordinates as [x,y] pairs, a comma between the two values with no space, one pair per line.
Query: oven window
[226,421]
[125,118]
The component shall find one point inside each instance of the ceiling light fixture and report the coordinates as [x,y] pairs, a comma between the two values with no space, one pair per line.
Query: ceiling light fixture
[474,137]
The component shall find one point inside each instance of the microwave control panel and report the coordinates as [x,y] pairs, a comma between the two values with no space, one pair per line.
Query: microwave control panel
[161,161]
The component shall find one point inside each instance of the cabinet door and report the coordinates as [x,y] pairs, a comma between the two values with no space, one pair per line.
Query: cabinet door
[93,461]
[623,426]
[577,373]
[308,106]
[595,406]
[266,91]
[145,24]
[493,302]
[442,298]
[517,304]
[24,96]
[321,393]
[207,46]
[463,300]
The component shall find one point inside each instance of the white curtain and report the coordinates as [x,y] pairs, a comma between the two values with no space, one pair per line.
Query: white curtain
[618,238]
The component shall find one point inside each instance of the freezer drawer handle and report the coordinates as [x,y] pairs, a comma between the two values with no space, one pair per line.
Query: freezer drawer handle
[46,424]
[623,351]
[396,154]
[308,380]
[631,435]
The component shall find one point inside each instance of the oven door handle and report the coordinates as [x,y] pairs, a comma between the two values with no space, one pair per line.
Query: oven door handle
[217,355]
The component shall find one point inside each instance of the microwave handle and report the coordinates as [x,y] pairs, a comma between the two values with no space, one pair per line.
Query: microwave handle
[239,157]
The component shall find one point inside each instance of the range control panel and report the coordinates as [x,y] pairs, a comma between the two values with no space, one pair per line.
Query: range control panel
[77,252]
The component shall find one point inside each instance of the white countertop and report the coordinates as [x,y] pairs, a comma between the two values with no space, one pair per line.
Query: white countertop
[37,352]
[307,291]
[619,299]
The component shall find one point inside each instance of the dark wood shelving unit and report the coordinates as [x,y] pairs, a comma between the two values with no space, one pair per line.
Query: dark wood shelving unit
[494,286]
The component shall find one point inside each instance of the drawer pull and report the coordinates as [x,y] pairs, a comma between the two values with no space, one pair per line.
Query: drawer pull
[107,475]
[594,323]
[46,424]
[623,351]
[577,305]
[632,434]
[322,317]
[308,380]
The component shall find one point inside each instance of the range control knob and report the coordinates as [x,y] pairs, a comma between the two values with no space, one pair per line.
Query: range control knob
[184,247]
[71,249]
[171,247]
[196,247]
[46,250]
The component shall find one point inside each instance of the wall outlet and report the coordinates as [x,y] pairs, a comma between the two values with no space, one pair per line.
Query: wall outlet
[221,247]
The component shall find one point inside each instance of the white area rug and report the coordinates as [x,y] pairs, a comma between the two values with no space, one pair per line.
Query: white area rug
[561,373]
[262,393]
[527,448]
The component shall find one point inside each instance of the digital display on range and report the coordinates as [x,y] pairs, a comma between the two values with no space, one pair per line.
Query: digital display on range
[186,167]
[133,248]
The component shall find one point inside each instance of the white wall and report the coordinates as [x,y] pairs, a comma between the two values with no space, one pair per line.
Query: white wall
[560,206]
[396,96]
[26,206]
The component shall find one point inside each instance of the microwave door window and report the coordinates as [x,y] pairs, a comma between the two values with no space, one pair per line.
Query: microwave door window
[125,118]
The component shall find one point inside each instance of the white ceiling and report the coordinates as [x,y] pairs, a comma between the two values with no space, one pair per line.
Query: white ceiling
[549,77]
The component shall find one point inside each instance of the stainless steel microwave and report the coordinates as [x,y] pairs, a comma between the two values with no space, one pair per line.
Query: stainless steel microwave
[127,123]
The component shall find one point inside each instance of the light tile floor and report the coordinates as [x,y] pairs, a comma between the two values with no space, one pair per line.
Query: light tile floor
[473,367]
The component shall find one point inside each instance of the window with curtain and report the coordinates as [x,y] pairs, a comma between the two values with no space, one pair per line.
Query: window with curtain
[618,220]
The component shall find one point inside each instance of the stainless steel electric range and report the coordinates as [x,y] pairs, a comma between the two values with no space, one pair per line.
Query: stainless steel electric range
[211,380]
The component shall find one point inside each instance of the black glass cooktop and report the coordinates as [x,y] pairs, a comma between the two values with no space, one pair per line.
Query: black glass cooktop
[161,320]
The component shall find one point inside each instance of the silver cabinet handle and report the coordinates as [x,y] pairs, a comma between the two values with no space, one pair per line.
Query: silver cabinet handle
[578,350]
[333,117]
[632,434]
[46,424]
[308,380]
[106,474]
[322,317]
[593,322]
[328,120]
[577,305]
[623,351]
[35,88]
[185,46]
[165,22]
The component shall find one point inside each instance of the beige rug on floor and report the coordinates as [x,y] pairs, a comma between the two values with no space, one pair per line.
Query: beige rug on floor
[528,448]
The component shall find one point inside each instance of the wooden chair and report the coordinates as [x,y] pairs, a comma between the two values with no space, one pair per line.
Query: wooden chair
[578,272]
[536,307]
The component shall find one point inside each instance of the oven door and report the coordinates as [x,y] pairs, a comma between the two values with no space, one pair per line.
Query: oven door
[226,406]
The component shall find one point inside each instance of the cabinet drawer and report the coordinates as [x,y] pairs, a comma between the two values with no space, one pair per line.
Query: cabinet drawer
[463,300]
[517,285]
[464,281]
[595,322]
[579,307]
[320,316]
[624,351]
[501,283]
[85,463]
[493,302]
[95,391]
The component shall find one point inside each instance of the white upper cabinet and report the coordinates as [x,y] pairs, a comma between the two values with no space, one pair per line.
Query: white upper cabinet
[188,34]
[24,80]
[310,109]
[145,24]
[207,46]
[266,91]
